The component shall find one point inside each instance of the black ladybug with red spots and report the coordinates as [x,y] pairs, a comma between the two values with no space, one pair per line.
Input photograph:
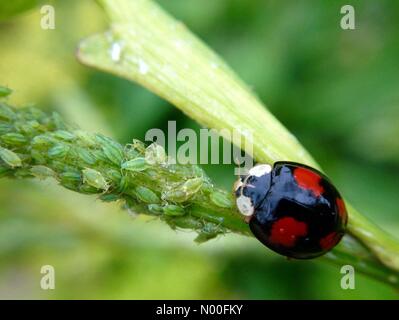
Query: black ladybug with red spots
[291,208]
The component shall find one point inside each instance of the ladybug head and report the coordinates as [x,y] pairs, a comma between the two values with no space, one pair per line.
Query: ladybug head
[252,188]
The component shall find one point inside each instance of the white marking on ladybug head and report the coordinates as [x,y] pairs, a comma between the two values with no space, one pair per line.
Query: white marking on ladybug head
[245,206]
[237,184]
[260,170]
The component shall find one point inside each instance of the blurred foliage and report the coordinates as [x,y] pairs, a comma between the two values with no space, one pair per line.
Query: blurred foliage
[336,90]
[9,9]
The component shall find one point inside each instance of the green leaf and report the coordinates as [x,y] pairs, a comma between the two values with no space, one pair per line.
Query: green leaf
[161,54]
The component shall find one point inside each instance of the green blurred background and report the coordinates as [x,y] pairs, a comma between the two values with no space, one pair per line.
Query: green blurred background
[336,90]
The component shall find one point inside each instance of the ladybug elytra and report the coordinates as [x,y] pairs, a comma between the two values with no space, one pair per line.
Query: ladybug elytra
[292,209]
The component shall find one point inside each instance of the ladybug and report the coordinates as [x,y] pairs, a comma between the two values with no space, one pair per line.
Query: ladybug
[292,209]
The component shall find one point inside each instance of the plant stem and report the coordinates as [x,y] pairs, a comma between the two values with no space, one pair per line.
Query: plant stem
[146,45]
[35,144]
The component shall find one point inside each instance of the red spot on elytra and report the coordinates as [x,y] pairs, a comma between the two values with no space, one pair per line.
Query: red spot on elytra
[286,230]
[341,208]
[308,179]
[329,240]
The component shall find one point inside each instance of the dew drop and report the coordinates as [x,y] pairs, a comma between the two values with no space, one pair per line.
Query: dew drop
[143,67]
[115,51]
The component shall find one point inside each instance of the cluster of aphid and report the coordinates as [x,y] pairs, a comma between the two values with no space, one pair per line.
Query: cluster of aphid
[34,144]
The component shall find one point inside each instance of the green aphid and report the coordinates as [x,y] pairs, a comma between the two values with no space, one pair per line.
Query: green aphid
[123,184]
[38,156]
[28,128]
[86,156]
[135,165]
[71,177]
[10,158]
[175,195]
[58,151]
[183,222]
[198,172]
[42,141]
[5,127]
[204,237]
[155,154]
[42,172]
[59,166]
[95,179]
[33,113]
[184,191]
[58,121]
[113,154]
[139,146]
[154,175]
[221,199]
[207,187]
[70,180]
[155,208]
[110,197]
[112,150]
[146,195]
[87,189]
[23,173]
[130,152]
[173,210]
[85,139]
[100,155]
[13,139]
[4,91]
[193,185]
[208,232]
[6,113]
[64,135]
[34,124]
[113,175]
